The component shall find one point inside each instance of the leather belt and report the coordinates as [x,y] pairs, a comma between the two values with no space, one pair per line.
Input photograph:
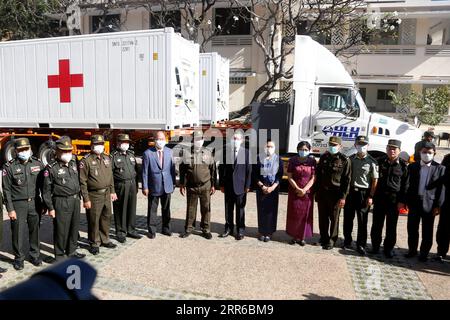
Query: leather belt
[71,196]
[28,199]
[359,189]
[98,190]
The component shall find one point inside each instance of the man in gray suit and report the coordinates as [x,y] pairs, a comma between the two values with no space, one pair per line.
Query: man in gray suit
[158,180]
[424,197]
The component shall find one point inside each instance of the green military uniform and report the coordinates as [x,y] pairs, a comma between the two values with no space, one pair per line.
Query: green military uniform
[22,181]
[198,174]
[124,167]
[332,184]
[97,185]
[61,192]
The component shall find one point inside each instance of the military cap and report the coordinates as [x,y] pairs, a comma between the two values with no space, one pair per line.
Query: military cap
[64,143]
[429,134]
[362,140]
[22,143]
[123,137]
[97,138]
[429,145]
[335,140]
[394,143]
[198,134]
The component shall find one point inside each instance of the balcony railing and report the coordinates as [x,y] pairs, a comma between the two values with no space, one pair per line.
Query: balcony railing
[439,51]
[243,40]
[378,50]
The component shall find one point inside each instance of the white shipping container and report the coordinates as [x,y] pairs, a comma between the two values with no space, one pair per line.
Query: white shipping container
[125,80]
[214,88]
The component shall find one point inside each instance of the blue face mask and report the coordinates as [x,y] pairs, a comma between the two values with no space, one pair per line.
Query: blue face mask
[303,153]
[333,149]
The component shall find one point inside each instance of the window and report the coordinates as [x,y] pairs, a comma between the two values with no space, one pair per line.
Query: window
[335,99]
[362,92]
[387,35]
[106,23]
[383,94]
[238,80]
[162,19]
[232,21]
[304,28]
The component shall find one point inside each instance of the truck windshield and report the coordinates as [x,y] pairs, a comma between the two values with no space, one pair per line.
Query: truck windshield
[334,99]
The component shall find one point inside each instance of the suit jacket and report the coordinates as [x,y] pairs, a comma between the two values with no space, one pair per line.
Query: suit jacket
[157,179]
[434,190]
[236,177]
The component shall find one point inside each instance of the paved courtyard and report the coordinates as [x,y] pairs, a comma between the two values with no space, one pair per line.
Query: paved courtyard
[196,268]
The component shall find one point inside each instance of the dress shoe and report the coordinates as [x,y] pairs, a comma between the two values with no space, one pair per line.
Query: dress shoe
[18,265]
[94,250]
[77,255]
[207,235]
[185,234]
[121,239]
[167,233]
[151,235]
[410,254]
[438,258]
[36,262]
[302,243]
[423,258]
[134,235]
[361,250]
[261,238]
[3,270]
[239,237]
[292,242]
[266,239]
[375,250]
[109,245]
[327,247]
[347,246]
[389,253]
[226,234]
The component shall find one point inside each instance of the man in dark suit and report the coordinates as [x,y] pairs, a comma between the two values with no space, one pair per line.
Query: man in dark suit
[158,180]
[234,180]
[443,230]
[424,197]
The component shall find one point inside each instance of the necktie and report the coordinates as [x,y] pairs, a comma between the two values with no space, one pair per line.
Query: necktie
[160,157]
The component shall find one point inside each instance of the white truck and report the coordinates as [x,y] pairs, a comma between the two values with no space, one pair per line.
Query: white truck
[325,102]
[214,88]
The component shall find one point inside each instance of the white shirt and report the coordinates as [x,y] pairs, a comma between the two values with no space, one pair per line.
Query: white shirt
[424,175]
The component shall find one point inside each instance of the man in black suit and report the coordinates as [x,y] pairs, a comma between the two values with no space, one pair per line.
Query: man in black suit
[234,180]
[443,230]
[424,196]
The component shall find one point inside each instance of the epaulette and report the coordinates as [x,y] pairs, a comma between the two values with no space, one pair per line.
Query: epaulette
[34,158]
[51,164]
[130,151]
[7,164]
[115,152]
[86,156]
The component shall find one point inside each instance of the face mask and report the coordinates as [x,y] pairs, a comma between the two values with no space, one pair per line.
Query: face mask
[98,149]
[124,146]
[303,153]
[160,144]
[333,149]
[24,155]
[269,151]
[361,149]
[198,144]
[426,157]
[66,157]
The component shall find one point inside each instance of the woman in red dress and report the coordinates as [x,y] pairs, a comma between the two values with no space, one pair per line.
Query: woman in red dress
[301,176]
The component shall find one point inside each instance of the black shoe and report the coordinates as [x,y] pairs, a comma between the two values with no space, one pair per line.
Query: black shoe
[36,262]
[226,234]
[375,250]
[167,233]
[347,246]
[151,235]
[261,238]
[266,239]
[327,247]
[438,258]
[410,254]
[207,235]
[121,239]
[134,235]
[423,258]
[18,265]
[302,243]
[3,270]
[389,253]
[361,250]
[109,245]
[240,237]
[185,234]
[292,242]
[77,255]
[94,250]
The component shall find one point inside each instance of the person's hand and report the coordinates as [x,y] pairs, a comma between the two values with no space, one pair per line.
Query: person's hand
[52,213]
[145,192]
[341,203]
[264,189]
[222,189]
[182,190]
[87,205]
[113,197]
[436,212]
[369,202]
[247,190]
[213,190]
[400,206]
[12,215]
[300,192]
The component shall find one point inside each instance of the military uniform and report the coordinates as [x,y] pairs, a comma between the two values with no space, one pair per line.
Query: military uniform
[125,183]
[391,190]
[364,171]
[198,174]
[61,192]
[22,182]
[97,185]
[332,184]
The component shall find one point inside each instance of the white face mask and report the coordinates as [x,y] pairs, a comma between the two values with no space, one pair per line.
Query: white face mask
[198,144]
[98,149]
[361,149]
[66,157]
[160,144]
[426,157]
[24,155]
[124,146]
[270,151]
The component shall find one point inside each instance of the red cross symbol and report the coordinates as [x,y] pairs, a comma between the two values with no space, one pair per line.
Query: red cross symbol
[64,81]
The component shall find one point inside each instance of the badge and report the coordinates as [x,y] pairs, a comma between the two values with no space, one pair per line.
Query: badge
[46,173]
[61,171]
[74,168]
[19,182]
[18,170]
[94,163]
[35,169]
[63,181]
[81,165]
[121,170]
[96,172]
[118,160]
[132,159]
[5,173]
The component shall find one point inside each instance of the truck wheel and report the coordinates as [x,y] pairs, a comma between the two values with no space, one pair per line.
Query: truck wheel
[47,152]
[8,152]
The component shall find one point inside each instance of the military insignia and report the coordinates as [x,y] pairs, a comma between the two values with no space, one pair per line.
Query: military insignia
[118,160]
[61,171]
[74,167]
[18,170]
[46,173]
[132,159]
[35,169]
[81,165]
[94,163]
[5,173]
[19,181]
